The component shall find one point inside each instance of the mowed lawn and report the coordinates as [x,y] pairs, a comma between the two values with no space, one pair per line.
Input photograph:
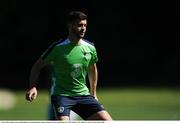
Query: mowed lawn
[121,103]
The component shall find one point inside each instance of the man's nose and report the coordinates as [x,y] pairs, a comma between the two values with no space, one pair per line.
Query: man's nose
[83,27]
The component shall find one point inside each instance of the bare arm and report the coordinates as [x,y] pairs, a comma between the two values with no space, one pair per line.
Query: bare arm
[93,77]
[35,72]
[33,78]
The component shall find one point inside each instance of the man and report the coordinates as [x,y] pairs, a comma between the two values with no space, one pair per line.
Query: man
[72,59]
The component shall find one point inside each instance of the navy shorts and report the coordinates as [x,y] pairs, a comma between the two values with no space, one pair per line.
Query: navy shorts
[84,106]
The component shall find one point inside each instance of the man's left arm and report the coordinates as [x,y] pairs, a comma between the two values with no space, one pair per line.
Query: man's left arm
[93,78]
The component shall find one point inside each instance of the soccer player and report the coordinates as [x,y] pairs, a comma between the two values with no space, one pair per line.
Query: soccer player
[72,59]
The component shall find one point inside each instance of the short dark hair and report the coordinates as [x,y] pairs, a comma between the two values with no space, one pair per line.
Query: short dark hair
[75,15]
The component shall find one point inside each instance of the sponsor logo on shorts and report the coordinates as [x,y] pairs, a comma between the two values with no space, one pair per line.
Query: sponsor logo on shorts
[60,109]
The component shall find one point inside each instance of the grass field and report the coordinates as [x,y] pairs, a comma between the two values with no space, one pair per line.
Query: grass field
[122,104]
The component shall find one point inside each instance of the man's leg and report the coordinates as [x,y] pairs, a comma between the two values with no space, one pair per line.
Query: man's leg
[90,109]
[101,115]
[73,116]
[61,106]
[63,118]
[52,116]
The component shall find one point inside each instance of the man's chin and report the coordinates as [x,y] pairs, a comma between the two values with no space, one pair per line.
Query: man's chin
[81,36]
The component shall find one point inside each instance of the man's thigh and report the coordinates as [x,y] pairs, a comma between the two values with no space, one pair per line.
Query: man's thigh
[87,106]
[62,105]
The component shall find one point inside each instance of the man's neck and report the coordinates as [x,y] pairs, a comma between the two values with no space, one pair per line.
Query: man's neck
[74,39]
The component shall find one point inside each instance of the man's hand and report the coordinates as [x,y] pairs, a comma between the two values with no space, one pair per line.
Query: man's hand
[31,94]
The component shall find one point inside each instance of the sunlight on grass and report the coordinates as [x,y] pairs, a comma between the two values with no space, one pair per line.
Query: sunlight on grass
[121,103]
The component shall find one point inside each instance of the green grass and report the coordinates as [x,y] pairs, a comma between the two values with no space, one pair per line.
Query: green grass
[142,104]
[25,110]
[121,103]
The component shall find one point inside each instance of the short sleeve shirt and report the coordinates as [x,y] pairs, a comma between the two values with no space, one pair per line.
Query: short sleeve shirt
[70,62]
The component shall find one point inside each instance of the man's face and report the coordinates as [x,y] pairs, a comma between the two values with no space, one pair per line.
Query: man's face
[79,28]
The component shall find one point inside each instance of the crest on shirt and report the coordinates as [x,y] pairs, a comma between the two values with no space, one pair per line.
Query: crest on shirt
[76,70]
[87,55]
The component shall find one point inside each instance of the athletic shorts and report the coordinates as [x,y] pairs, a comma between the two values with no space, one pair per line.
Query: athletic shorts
[84,106]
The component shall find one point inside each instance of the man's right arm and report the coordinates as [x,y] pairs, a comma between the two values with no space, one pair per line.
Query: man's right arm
[33,78]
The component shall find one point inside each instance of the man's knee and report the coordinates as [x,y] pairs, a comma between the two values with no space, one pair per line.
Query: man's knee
[64,118]
[102,115]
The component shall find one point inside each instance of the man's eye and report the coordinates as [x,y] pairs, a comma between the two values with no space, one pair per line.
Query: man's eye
[81,25]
